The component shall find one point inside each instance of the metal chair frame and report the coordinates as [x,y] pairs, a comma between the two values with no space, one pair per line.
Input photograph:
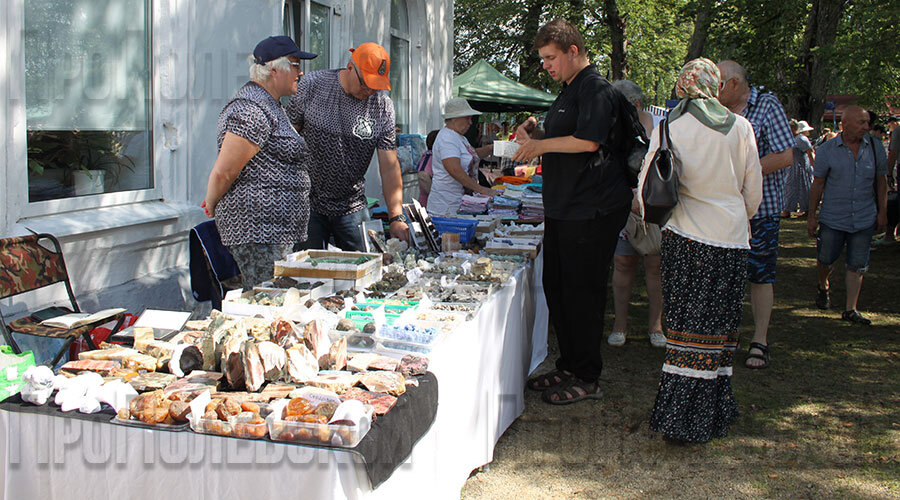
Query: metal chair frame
[56,252]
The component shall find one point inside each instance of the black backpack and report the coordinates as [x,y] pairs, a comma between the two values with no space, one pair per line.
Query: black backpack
[627,140]
[631,139]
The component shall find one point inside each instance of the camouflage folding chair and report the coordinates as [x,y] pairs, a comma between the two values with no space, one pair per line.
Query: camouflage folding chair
[27,265]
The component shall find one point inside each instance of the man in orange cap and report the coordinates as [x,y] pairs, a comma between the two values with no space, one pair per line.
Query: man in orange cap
[345,119]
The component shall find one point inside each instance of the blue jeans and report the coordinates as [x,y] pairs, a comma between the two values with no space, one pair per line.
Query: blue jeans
[830,243]
[343,228]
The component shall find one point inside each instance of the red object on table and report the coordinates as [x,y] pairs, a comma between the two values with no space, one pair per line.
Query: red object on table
[99,334]
[508,179]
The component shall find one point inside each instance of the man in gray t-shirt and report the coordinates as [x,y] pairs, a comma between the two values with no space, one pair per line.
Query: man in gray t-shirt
[344,120]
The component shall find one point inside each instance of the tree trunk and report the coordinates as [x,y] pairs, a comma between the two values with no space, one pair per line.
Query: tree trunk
[808,102]
[529,60]
[702,21]
[618,59]
[697,45]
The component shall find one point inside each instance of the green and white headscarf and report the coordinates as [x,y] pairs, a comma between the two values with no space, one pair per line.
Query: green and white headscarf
[698,89]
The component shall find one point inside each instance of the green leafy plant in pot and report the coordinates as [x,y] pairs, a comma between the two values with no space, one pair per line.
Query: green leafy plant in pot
[92,155]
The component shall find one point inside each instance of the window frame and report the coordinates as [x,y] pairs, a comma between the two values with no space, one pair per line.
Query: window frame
[331,29]
[304,7]
[407,37]
[17,205]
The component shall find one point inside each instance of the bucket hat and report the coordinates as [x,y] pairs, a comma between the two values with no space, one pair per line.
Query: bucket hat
[458,107]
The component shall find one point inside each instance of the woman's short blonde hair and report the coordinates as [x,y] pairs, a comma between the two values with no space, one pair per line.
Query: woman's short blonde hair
[261,72]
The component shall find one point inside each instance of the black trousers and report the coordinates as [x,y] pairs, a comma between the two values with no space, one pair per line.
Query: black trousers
[577,258]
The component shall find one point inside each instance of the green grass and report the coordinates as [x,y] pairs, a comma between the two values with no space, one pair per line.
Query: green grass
[822,422]
[831,399]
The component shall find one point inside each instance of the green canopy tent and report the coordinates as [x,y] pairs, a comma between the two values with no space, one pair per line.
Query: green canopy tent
[487,90]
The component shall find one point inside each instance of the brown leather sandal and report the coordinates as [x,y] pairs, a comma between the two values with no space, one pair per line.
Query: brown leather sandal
[548,380]
[572,391]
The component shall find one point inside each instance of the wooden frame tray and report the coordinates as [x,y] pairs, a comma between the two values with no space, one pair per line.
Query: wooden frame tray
[296,264]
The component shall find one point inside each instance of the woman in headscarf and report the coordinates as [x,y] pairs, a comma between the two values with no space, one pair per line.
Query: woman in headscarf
[704,257]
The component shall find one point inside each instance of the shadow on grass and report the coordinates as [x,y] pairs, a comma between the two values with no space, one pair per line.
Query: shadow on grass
[822,422]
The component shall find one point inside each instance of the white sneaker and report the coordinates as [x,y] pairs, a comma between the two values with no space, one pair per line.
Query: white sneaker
[657,340]
[616,339]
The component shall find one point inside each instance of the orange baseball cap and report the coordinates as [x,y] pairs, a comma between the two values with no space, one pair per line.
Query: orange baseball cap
[374,63]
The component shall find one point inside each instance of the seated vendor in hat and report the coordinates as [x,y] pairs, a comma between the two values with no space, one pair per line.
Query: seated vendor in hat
[455,161]
[258,190]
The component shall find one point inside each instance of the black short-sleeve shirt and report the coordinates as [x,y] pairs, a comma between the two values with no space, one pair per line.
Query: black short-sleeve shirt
[573,189]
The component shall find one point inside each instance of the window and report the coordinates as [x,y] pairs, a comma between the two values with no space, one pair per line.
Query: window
[320,35]
[293,21]
[400,62]
[317,38]
[87,97]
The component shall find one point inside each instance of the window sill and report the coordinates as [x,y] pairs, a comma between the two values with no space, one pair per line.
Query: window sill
[105,218]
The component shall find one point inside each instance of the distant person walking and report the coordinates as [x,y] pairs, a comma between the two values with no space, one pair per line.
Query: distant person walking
[850,180]
[799,175]
[893,148]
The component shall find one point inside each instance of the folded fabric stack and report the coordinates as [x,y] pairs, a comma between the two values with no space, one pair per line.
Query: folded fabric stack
[532,206]
[513,192]
[504,207]
[474,204]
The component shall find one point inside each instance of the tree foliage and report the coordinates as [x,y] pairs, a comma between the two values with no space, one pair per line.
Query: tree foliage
[865,56]
[785,45]
[495,30]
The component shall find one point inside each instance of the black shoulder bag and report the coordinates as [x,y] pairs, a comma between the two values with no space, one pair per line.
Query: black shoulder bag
[660,191]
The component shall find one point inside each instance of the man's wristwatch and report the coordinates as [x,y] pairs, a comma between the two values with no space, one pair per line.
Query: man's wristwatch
[400,217]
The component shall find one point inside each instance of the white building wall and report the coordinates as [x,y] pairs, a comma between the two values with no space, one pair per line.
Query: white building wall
[133,252]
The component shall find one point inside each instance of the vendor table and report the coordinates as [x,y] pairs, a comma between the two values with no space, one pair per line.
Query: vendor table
[481,370]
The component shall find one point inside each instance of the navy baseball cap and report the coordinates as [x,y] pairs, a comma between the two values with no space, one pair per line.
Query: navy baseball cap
[278,46]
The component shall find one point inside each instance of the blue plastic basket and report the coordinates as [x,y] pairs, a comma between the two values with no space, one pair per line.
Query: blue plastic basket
[465,227]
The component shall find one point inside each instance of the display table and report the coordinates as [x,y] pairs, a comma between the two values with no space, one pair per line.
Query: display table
[481,370]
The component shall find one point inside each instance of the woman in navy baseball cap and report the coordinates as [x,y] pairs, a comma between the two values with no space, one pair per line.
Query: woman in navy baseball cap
[258,190]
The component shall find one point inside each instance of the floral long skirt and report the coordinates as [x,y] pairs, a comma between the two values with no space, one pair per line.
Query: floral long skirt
[703,292]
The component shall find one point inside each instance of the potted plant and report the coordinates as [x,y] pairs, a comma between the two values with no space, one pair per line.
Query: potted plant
[89,161]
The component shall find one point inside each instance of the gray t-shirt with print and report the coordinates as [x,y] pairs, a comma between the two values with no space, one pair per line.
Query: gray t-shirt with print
[342,133]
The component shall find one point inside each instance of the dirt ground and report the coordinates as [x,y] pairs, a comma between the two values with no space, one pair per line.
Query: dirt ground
[822,422]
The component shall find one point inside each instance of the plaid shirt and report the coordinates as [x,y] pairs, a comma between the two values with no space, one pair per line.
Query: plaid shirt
[773,135]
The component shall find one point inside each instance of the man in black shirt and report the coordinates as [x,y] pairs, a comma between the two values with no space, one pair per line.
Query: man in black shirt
[586,202]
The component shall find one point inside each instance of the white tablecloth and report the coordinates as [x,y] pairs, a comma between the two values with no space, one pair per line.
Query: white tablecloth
[481,371]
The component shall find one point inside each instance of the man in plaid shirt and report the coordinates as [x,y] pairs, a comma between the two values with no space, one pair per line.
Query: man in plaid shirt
[773,141]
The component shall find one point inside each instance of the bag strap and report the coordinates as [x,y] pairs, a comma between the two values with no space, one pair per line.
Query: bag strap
[668,140]
[664,135]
